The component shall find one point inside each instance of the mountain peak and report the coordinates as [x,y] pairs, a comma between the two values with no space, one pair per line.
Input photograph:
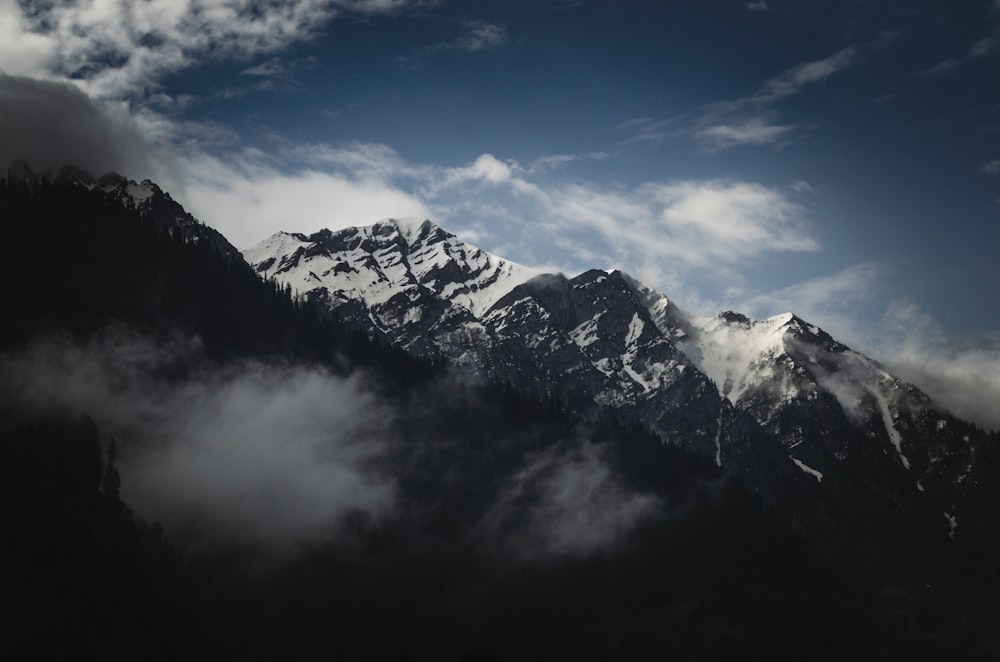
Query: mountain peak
[734,318]
[375,263]
[411,227]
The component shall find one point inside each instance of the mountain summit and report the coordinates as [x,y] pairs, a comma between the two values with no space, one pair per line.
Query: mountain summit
[798,415]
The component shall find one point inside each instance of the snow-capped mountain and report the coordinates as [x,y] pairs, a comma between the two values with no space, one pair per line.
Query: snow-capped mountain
[411,282]
[802,418]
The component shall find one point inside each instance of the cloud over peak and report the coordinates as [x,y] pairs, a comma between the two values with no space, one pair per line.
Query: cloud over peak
[49,124]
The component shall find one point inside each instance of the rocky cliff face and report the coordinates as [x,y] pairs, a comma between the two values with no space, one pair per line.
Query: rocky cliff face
[820,431]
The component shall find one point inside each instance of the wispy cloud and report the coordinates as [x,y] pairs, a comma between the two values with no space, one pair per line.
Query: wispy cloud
[477,36]
[833,301]
[983,47]
[267,69]
[481,36]
[749,120]
[247,198]
[759,6]
[943,68]
[978,50]
[699,223]
[964,376]
[649,129]
[754,131]
[576,506]
[990,167]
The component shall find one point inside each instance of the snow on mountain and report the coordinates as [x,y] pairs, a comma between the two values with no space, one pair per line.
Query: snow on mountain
[822,433]
[735,352]
[377,262]
[778,401]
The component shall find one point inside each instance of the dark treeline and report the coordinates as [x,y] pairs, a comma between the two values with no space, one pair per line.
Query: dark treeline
[518,533]
[75,260]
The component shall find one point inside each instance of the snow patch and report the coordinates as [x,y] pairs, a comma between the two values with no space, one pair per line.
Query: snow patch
[585,334]
[389,257]
[806,468]
[735,355]
[952,524]
[139,192]
[894,436]
[635,327]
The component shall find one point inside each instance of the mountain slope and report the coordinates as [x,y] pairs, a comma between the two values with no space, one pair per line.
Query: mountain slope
[508,514]
[809,423]
[517,532]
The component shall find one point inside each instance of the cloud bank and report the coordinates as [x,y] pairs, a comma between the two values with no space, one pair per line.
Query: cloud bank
[50,124]
[270,457]
[962,375]
[566,502]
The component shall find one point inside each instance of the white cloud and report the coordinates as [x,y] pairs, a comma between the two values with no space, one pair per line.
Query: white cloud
[983,47]
[654,230]
[268,68]
[743,121]
[552,162]
[486,168]
[699,223]
[754,131]
[648,129]
[482,36]
[478,36]
[759,6]
[265,455]
[791,81]
[116,50]
[575,505]
[248,200]
[833,302]
[811,72]
[964,376]
[943,68]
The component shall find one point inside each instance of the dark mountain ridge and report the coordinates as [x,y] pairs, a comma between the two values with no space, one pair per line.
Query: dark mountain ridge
[517,532]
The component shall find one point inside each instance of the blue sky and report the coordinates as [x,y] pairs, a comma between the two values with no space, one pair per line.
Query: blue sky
[837,159]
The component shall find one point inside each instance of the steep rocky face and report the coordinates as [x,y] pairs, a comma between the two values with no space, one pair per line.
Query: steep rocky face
[812,425]
[410,282]
[838,412]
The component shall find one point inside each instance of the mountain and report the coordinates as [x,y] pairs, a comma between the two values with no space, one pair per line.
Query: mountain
[823,432]
[153,203]
[504,525]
